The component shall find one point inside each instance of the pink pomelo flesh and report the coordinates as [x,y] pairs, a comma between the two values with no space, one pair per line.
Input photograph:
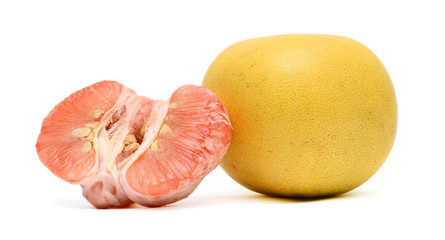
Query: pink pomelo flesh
[124,148]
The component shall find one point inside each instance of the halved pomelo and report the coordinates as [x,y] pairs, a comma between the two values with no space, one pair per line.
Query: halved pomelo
[123,148]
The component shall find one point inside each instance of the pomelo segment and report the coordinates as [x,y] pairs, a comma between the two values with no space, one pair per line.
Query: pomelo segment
[123,148]
[190,143]
[58,150]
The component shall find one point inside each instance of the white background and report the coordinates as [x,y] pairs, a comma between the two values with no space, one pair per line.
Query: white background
[49,49]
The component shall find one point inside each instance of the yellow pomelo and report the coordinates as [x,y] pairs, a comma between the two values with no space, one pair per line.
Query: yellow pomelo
[312,115]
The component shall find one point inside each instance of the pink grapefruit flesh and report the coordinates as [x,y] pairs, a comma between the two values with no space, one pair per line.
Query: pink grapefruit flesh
[123,148]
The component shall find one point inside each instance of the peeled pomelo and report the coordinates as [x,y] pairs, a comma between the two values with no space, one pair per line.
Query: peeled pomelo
[312,115]
[123,148]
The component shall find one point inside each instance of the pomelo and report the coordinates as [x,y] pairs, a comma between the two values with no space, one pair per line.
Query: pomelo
[312,115]
[123,148]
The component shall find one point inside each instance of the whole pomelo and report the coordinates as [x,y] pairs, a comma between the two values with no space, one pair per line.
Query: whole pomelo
[312,115]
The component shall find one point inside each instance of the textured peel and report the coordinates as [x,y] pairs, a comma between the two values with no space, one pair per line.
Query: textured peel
[313,115]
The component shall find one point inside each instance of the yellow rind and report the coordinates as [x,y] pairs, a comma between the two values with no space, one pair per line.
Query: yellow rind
[312,115]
